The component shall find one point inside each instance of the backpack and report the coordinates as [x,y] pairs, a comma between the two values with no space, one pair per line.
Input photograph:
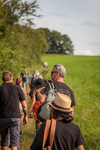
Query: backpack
[25,76]
[43,112]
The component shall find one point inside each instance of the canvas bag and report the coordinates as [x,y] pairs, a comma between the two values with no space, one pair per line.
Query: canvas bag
[44,110]
[46,132]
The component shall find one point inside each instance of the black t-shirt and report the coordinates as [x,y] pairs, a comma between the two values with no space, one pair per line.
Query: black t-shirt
[63,89]
[10,95]
[67,137]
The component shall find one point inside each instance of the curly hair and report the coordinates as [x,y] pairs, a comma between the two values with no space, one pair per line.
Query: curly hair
[65,115]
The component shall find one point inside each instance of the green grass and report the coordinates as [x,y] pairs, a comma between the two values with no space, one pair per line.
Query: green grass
[83,76]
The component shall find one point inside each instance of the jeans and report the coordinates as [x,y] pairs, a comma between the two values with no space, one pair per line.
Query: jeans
[12,125]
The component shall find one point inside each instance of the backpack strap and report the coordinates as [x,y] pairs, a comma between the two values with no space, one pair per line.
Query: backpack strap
[52,131]
[51,85]
[46,132]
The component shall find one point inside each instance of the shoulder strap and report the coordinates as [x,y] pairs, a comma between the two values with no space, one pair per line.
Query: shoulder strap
[46,132]
[51,85]
[52,131]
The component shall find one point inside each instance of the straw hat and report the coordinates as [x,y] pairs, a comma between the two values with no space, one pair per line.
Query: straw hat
[62,103]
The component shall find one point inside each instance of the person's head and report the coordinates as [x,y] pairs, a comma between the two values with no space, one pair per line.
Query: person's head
[61,108]
[18,81]
[39,83]
[25,68]
[58,71]
[7,77]
[36,71]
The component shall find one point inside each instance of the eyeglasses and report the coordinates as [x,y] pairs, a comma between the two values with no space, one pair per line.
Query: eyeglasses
[53,72]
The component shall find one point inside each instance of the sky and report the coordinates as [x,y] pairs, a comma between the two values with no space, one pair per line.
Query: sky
[79,19]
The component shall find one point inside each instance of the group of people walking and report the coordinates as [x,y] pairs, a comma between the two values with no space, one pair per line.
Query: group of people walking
[67,135]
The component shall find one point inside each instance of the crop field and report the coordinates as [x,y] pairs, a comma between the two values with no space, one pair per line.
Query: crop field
[83,77]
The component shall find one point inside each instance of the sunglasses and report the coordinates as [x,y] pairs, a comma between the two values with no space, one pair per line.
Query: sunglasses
[53,72]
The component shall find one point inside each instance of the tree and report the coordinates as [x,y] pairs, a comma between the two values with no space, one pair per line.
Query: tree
[58,43]
[17,11]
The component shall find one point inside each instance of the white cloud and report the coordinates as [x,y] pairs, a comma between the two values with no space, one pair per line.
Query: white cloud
[87,52]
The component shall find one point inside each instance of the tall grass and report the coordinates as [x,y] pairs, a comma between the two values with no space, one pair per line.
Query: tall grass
[83,76]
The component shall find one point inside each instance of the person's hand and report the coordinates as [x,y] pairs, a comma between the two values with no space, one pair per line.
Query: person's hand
[30,110]
[25,121]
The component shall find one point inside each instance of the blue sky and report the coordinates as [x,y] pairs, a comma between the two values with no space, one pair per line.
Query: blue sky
[79,19]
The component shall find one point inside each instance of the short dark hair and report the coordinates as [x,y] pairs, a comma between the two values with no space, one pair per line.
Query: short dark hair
[6,76]
[65,115]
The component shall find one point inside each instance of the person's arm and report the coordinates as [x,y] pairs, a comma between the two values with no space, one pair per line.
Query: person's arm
[24,105]
[28,75]
[41,97]
[80,147]
[24,91]
[29,82]
[33,100]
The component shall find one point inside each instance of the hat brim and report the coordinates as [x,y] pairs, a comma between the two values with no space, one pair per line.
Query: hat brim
[60,109]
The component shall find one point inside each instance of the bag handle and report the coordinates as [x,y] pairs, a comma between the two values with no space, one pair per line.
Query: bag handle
[46,132]
[52,132]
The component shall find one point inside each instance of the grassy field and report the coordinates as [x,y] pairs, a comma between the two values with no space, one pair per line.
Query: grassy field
[83,76]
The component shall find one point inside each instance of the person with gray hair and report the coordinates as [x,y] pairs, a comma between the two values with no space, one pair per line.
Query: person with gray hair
[57,75]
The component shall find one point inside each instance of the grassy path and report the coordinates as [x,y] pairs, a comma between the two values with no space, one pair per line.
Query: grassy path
[28,131]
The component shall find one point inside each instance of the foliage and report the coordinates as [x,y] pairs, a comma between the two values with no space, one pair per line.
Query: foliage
[58,43]
[17,11]
[10,56]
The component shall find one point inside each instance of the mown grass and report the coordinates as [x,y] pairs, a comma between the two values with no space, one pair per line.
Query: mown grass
[83,76]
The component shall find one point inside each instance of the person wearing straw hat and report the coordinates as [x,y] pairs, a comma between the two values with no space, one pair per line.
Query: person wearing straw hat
[57,75]
[67,134]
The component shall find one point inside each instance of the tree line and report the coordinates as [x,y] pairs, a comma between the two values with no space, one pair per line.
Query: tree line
[21,44]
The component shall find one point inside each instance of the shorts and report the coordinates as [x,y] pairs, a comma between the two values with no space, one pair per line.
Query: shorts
[21,109]
[12,125]
[25,83]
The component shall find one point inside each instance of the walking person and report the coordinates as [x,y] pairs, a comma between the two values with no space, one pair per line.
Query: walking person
[33,77]
[10,95]
[67,135]
[19,83]
[38,83]
[25,76]
[57,76]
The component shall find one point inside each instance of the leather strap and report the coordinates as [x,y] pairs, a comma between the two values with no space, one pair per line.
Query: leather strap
[52,131]
[46,132]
